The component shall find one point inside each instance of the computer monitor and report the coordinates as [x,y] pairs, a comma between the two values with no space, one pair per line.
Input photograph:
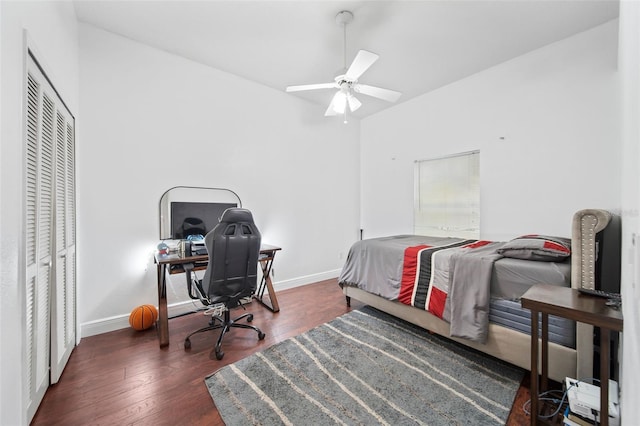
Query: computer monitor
[193,218]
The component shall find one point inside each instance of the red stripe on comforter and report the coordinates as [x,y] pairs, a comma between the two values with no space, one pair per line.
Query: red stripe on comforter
[437,301]
[409,270]
[479,243]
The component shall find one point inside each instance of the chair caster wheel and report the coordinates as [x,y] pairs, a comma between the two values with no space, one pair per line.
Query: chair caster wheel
[250,318]
[187,344]
[261,336]
[219,355]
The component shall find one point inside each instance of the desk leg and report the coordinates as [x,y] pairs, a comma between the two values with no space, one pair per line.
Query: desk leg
[604,376]
[266,282]
[534,368]
[163,315]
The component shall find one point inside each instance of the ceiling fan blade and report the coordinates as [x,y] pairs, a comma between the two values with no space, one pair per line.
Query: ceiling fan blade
[360,64]
[353,102]
[333,85]
[378,92]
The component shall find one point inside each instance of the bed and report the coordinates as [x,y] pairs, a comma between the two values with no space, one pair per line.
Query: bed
[428,281]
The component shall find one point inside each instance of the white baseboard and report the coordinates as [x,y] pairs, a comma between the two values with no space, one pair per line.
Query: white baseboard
[119,322]
[307,279]
[122,321]
[104,325]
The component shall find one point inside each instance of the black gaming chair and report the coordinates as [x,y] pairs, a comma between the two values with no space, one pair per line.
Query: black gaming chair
[233,247]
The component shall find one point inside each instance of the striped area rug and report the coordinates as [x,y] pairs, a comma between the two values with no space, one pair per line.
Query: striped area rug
[366,368]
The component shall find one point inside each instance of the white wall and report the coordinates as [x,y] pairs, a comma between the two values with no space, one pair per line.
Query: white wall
[630,89]
[151,121]
[556,109]
[571,141]
[143,109]
[52,29]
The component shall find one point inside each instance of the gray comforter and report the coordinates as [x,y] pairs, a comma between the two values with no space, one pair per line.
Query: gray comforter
[450,277]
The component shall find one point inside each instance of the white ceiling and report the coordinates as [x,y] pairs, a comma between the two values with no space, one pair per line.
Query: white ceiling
[423,45]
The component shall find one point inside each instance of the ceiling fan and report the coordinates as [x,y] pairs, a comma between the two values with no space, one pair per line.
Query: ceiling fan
[347,82]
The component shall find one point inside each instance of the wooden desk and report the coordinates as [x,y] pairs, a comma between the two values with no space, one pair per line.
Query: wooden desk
[173,264]
[568,303]
[267,254]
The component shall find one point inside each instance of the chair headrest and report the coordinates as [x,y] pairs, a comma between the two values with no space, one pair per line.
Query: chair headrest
[236,214]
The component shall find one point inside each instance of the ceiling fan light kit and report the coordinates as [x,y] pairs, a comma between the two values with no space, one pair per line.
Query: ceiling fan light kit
[347,83]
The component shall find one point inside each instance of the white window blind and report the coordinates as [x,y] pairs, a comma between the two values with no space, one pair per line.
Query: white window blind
[447,196]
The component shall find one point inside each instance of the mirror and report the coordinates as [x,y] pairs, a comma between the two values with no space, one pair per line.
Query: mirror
[191,204]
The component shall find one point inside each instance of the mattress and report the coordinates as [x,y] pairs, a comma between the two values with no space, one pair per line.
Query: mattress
[510,314]
[511,278]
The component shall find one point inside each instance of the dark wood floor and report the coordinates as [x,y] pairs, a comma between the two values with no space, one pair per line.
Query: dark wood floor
[123,377]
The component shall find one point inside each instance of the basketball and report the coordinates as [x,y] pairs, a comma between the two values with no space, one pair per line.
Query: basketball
[155,312]
[143,317]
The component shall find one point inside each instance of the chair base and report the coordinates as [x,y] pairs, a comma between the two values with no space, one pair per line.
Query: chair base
[226,323]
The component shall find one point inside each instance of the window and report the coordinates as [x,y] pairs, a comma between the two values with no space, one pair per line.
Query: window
[447,196]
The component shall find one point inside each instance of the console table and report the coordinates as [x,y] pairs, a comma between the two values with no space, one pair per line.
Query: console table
[173,263]
[568,303]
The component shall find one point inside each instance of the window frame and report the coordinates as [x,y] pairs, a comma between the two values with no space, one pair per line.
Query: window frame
[466,183]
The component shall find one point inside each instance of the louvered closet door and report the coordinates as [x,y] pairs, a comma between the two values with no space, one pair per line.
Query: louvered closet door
[63,307]
[39,216]
[49,235]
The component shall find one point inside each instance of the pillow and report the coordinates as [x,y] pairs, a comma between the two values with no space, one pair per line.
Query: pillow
[537,247]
